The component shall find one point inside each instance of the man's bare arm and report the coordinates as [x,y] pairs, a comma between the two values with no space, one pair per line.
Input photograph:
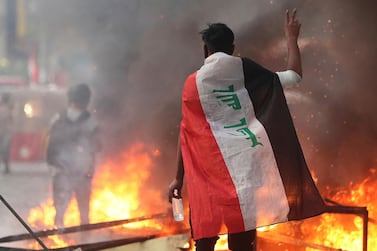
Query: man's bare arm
[292,31]
[177,183]
[180,169]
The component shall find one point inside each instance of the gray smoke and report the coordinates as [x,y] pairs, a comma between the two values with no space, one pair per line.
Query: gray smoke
[143,51]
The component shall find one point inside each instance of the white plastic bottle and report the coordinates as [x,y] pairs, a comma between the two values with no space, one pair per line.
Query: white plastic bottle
[177,206]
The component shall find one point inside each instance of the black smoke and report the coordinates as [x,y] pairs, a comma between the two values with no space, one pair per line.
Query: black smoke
[143,51]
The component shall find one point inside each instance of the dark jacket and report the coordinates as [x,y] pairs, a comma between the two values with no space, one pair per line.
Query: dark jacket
[72,145]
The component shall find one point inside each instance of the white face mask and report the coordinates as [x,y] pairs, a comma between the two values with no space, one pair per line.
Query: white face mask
[73,114]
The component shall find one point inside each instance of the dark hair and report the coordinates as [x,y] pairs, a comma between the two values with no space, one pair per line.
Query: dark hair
[218,38]
[79,95]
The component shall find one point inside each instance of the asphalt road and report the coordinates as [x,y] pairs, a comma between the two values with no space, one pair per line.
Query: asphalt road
[27,186]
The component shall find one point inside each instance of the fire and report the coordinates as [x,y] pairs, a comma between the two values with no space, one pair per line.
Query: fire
[53,242]
[328,231]
[120,191]
[345,231]
[117,186]
[222,242]
[338,231]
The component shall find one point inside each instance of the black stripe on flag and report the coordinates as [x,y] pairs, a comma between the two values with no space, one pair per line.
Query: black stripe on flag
[272,111]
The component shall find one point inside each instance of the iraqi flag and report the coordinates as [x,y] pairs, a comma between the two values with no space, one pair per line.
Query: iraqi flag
[243,162]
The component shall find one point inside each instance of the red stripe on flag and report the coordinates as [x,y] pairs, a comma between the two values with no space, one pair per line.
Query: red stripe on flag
[212,193]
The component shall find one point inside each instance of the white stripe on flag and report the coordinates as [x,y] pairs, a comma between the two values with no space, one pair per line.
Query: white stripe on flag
[250,160]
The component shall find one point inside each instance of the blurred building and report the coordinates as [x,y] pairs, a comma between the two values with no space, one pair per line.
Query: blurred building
[34,97]
[15,51]
[40,47]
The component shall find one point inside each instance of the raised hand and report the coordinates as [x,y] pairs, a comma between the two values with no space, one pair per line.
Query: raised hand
[292,25]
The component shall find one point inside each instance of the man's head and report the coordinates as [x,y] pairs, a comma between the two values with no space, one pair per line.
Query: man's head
[217,38]
[79,95]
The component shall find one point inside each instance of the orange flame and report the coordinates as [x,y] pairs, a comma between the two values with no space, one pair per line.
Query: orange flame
[119,189]
[345,231]
[336,231]
[116,186]
[119,192]
[339,231]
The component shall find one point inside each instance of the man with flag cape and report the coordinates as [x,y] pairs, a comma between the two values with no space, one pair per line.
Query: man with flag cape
[238,147]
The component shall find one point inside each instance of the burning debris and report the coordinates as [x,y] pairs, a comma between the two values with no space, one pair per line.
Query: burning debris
[352,227]
[342,228]
[120,201]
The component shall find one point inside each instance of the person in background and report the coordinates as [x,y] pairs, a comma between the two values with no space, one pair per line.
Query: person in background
[6,124]
[238,148]
[71,151]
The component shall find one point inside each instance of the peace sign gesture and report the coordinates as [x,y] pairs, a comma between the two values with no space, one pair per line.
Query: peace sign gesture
[292,25]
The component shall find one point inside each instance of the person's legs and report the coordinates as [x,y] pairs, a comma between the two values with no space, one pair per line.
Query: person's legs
[2,162]
[4,152]
[83,191]
[6,156]
[206,244]
[62,194]
[244,241]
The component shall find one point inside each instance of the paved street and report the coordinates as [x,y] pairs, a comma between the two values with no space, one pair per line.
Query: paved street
[28,185]
[25,187]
